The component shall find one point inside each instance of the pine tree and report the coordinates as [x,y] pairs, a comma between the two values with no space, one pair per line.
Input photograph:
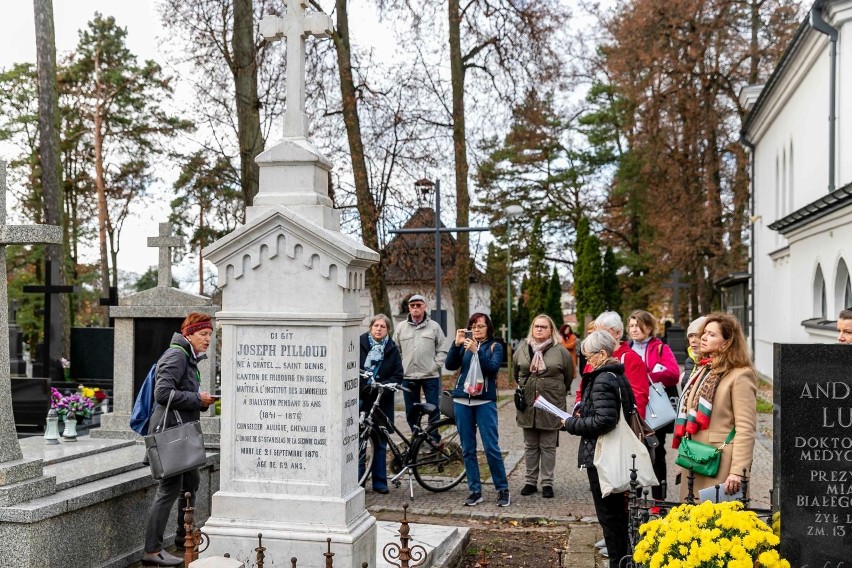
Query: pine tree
[495,272]
[536,292]
[611,285]
[588,275]
[553,307]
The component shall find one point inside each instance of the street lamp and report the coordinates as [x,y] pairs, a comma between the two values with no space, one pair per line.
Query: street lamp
[511,212]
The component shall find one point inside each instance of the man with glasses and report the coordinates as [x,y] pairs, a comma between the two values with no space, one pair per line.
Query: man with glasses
[423,346]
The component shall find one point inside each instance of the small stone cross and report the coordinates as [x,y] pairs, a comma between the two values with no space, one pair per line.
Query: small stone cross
[295,26]
[503,330]
[10,449]
[165,242]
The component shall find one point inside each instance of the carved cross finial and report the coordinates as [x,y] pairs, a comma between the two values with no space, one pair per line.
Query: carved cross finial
[165,242]
[295,25]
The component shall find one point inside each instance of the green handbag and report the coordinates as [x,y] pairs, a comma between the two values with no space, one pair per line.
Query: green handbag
[702,459]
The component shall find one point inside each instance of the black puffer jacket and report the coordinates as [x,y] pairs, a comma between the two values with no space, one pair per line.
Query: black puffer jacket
[599,409]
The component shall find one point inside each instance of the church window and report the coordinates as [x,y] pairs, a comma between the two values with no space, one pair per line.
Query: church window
[820,299]
[842,287]
[790,180]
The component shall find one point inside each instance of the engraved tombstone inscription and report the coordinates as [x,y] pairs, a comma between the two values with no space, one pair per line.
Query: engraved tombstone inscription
[282,418]
[813,452]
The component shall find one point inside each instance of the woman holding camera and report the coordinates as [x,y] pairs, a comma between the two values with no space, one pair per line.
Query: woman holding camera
[543,367]
[475,404]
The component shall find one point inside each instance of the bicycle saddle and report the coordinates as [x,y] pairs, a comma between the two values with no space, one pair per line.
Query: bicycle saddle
[424,407]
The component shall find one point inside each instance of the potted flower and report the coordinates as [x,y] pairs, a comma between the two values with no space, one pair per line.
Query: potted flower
[709,535]
[66,369]
[71,408]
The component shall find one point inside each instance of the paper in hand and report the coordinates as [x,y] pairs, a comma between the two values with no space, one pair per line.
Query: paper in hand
[716,494]
[542,404]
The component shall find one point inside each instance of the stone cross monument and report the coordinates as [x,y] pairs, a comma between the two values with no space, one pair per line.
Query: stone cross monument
[291,285]
[295,26]
[165,241]
[144,323]
[19,479]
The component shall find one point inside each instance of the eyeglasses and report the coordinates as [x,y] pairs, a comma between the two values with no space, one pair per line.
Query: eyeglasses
[416,305]
[479,326]
[541,327]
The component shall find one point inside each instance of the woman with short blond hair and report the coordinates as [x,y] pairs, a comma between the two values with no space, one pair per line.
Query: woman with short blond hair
[543,367]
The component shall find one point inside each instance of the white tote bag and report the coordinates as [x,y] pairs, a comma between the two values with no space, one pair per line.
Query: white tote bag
[613,459]
[659,412]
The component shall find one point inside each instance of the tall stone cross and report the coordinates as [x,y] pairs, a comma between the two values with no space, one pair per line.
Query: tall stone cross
[676,286]
[10,449]
[295,26]
[165,241]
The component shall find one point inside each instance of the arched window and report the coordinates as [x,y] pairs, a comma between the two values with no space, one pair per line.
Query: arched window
[842,287]
[790,180]
[820,299]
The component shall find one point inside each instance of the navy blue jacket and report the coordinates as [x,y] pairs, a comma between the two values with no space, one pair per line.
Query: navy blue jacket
[490,357]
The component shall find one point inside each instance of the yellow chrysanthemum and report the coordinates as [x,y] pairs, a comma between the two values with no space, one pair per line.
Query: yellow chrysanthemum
[708,535]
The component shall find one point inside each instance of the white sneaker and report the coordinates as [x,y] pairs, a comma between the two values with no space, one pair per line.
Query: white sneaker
[604,552]
[600,544]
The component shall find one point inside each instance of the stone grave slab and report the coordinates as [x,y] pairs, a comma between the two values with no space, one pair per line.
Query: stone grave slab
[812,454]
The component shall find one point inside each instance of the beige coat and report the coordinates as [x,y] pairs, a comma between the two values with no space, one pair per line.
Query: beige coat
[735,404]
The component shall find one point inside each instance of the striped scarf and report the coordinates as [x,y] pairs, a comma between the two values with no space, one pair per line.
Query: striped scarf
[691,419]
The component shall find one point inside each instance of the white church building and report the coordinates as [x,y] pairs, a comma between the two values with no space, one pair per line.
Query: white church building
[799,132]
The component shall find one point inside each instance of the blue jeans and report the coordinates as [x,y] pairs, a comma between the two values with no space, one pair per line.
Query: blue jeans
[484,416]
[432,394]
[379,469]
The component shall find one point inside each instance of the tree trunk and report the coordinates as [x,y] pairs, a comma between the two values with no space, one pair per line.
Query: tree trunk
[200,248]
[48,141]
[461,282]
[366,205]
[100,187]
[244,69]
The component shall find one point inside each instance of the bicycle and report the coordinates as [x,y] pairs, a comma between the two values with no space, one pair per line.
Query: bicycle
[437,467]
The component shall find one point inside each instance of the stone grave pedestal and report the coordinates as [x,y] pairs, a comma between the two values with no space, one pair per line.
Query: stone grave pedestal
[290,324]
[144,324]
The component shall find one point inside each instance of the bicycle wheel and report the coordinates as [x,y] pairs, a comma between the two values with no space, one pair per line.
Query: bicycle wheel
[366,454]
[439,467]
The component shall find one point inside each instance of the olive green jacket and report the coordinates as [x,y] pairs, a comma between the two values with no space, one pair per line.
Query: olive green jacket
[553,384]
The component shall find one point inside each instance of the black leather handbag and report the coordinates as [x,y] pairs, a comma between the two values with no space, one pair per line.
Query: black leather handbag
[520,400]
[177,449]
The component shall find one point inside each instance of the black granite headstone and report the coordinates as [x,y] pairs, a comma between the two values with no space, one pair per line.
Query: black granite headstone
[812,456]
[92,353]
[151,337]
[30,403]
